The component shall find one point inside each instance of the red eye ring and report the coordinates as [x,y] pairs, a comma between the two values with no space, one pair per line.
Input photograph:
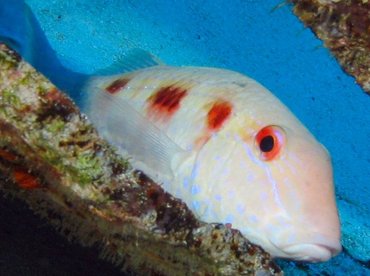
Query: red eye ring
[270,140]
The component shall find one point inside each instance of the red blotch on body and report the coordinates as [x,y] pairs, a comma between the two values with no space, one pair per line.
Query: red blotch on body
[25,180]
[166,101]
[218,114]
[116,86]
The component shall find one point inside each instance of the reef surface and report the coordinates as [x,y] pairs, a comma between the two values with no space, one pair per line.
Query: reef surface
[52,158]
[344,26]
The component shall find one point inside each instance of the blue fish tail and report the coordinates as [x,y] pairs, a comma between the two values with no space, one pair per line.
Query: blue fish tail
[20,30]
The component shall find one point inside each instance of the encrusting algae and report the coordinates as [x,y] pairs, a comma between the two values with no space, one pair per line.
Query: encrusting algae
[55,161]
[344,26]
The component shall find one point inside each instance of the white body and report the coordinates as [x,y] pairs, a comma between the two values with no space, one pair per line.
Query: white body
[223,143]
[286,205]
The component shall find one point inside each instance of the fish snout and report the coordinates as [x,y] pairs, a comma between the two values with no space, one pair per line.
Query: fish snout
[318,248]
[312,252]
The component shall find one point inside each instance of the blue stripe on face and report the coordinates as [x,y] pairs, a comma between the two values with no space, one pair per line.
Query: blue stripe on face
[196,205]
[240,208]
[218,197]
[186,182]
[195,189]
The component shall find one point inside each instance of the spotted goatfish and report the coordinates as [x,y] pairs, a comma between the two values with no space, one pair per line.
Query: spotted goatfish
[214,138]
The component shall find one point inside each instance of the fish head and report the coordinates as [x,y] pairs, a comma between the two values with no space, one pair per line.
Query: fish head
[274,184]
[293,174]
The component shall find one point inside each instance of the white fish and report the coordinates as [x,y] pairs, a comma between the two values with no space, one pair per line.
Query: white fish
[227,147]
[219,141]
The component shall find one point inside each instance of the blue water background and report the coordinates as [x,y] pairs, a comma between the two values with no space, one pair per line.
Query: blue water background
[262,39]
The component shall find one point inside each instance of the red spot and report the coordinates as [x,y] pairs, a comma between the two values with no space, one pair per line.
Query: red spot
[216,117]
[166,101]
[55,96]
[117,85]
[25,180]
[218,114]
[8,156]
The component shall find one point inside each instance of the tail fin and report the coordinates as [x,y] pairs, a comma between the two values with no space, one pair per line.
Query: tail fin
[20,30]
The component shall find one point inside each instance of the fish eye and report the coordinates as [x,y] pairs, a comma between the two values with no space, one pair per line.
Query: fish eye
[269,141]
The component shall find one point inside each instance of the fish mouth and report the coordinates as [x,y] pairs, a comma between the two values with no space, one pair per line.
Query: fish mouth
[307,252]
[318,248]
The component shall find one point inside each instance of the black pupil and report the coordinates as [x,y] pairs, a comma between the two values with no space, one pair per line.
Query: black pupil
[267,144]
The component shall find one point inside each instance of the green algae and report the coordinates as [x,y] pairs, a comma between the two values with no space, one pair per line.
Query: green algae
[89,168]
[344,28]
[55,126]
[8,61]
[98,196]
[10,98]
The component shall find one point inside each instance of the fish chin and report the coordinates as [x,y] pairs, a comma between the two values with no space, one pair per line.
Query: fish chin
[298,242]
[316,248]
[310,252]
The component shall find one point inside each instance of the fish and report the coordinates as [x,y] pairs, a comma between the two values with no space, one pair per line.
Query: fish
[21,31]
[214,138]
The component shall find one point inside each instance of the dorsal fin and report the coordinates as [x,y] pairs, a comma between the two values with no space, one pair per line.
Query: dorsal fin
[135,59]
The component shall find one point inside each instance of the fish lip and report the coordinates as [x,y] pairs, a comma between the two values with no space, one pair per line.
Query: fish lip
[309,252]
[320,249]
